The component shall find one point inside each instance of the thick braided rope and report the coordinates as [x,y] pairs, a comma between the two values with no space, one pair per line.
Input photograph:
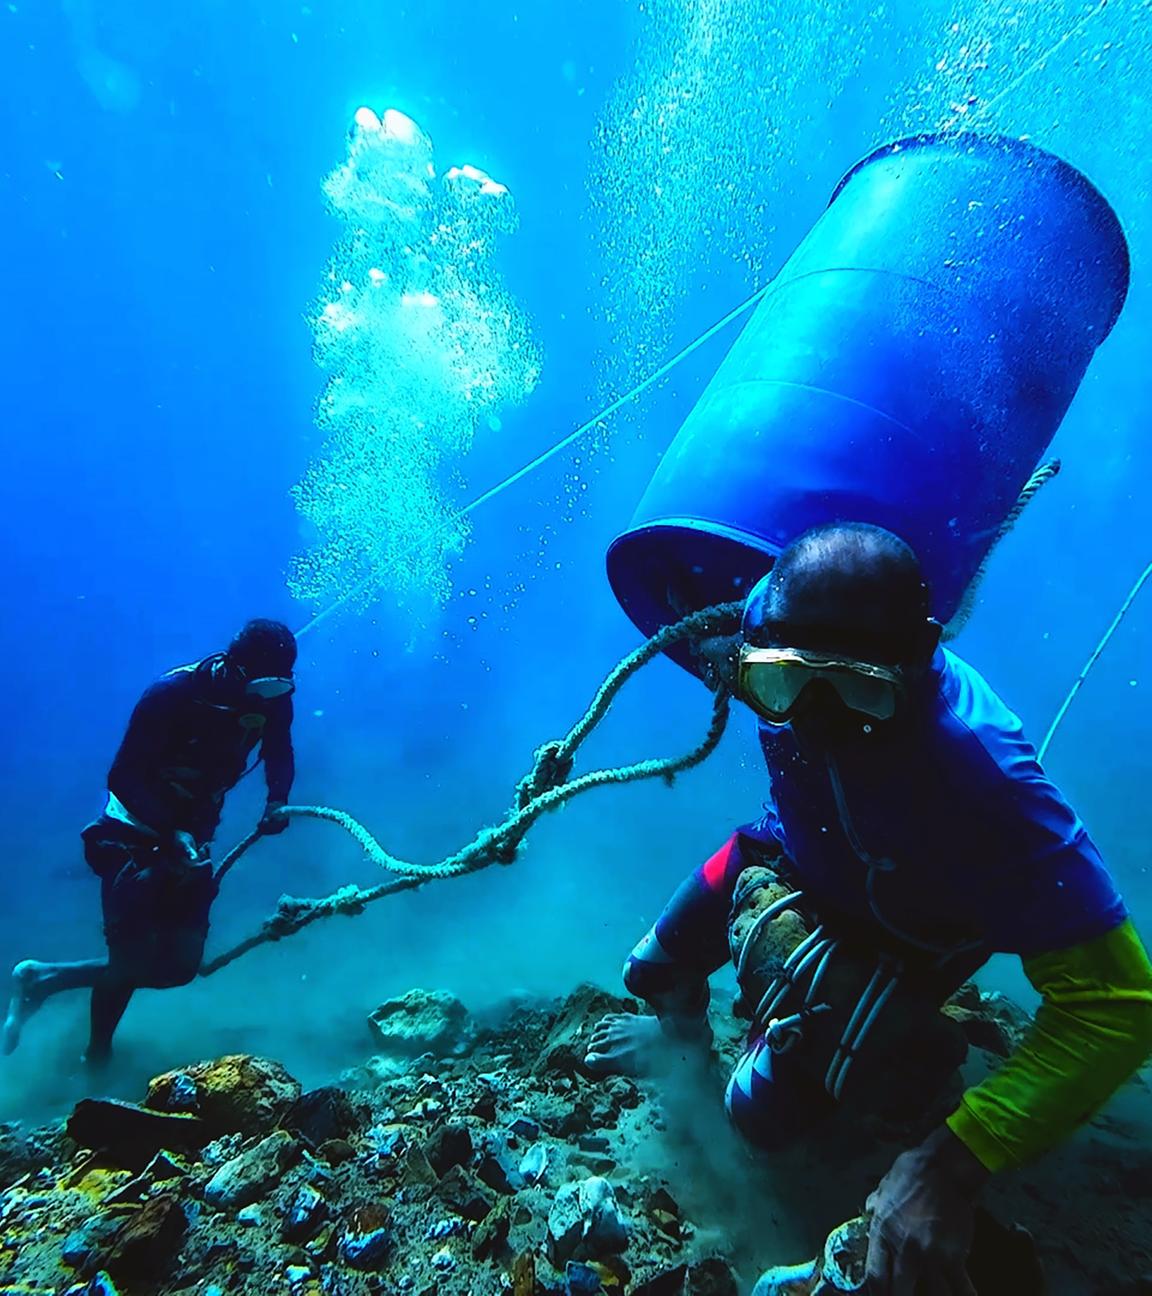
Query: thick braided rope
[538,793]
[1039,478]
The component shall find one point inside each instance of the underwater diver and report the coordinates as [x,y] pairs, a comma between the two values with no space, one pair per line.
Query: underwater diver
[910,834]
[189,741]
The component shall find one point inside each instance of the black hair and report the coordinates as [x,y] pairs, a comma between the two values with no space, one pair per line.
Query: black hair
[844,582]
[264,647]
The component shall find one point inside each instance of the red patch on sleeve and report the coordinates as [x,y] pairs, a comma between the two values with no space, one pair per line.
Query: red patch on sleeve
[715,870]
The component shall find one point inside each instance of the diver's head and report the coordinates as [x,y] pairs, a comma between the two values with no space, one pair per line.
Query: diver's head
[838,630]
[264,653]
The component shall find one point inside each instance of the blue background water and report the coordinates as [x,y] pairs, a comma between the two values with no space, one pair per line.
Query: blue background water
[163,237]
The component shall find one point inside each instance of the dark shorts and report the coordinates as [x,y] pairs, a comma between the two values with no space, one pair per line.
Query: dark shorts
[156,906]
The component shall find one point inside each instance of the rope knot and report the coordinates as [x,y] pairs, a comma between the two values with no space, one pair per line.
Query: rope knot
[552,767]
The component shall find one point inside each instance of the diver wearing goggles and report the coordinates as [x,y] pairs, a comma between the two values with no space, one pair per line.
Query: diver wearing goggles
[773,682]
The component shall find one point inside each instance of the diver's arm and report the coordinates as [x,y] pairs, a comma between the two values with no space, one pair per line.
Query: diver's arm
[279,766]
[1092,1031]
[276,751]
[135,778]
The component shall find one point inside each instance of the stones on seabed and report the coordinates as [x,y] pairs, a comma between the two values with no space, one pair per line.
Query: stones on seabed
[665,1213]
[306,1212]
[524,1127]
[422,1021]
[462,1193]
[492,1231]
[524,1274]
[336,1151]
[253,1172]
[581,1279]
[323,1114]
[585,1223]
[138,1243]
[366,1239]
[450,1146]
[130,1135]
[238,1092]
[710,1277]
[534,1164]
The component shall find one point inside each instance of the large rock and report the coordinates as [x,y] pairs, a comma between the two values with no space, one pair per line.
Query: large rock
[136,1245]
[567,1041]
[585,1223]
[235,1093]
[422,1021]
[324,1114]
[249,1176]
[131,1135]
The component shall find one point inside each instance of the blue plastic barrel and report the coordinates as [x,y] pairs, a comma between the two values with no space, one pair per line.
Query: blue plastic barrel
[908,367]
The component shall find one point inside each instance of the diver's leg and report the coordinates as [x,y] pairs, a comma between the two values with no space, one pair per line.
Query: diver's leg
[34,982]
[110,999]
[771,1101]
[669,971]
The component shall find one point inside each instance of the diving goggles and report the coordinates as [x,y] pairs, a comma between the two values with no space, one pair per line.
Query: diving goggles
[771,681]
[270,686]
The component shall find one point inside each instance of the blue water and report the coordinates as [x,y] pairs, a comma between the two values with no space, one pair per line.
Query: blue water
[165,239]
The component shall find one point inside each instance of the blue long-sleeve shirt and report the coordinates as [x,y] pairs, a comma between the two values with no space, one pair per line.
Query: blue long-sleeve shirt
[189,741]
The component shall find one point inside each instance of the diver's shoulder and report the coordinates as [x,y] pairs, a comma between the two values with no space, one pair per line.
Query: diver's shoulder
[973,720]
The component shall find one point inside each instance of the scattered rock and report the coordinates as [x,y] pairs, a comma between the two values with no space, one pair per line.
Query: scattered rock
[534,1164]
[416,1170]
[524,1274]
[145,1245]
[593,1143]
[492,1231]
[525,1128]
[131,1135]
[322,1115]
[422,1021]
[251,1174]
[989,1021]
[235,1093]
[450,1146]
[306,1212]
[585,1223]
[461,1192]
[664,1213]
[667,1282]
[712,1277]
[492,1171]
[366,1240]
[581,1279]
[336,1151]
[19,1154]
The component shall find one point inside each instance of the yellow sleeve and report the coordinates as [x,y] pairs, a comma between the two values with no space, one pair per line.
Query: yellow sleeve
[1092,1031]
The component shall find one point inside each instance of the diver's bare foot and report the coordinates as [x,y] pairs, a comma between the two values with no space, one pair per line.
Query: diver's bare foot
[28,993]
[624,1044]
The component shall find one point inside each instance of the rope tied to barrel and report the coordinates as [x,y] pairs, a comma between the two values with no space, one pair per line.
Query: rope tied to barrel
[547,786]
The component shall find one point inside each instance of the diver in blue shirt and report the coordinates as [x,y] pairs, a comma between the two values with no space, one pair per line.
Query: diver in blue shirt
[191,738]
[910,834]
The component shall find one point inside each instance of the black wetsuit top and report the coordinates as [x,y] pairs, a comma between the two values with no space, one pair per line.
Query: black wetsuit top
[190,740]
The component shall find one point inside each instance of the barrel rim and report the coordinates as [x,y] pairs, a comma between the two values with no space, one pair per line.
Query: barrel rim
[972,141]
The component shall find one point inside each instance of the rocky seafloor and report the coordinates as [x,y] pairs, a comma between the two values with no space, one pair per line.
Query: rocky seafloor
[461,1159]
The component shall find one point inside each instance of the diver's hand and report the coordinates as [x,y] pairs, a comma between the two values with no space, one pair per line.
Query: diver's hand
[274,819]
[922,1221]
[186,845]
